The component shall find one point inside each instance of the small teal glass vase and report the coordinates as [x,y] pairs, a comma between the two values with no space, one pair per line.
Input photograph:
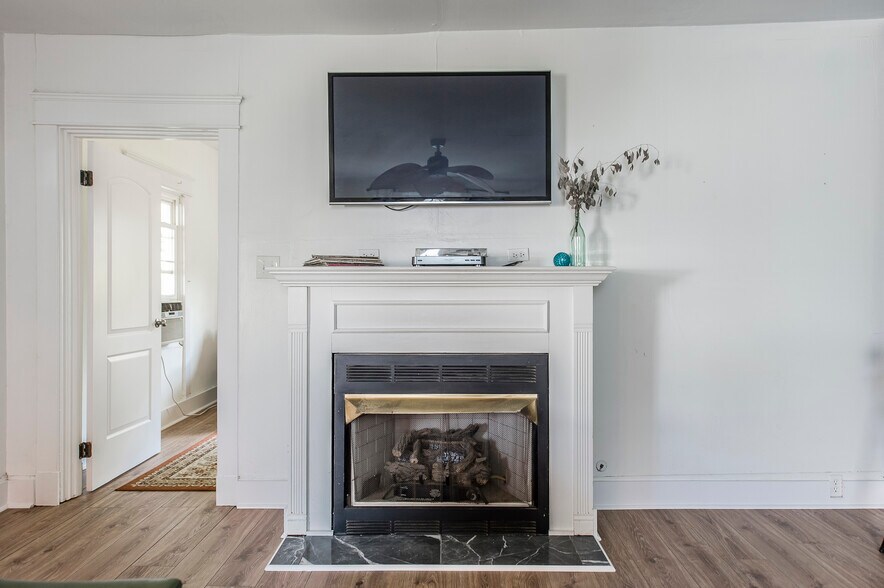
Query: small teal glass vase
[578,242]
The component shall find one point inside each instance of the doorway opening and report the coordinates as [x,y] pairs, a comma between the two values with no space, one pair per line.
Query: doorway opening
[150,303]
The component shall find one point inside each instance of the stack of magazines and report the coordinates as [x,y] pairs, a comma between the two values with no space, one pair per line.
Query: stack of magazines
[348,260]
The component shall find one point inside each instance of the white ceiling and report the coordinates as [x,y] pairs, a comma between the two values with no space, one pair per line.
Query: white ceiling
[204,17]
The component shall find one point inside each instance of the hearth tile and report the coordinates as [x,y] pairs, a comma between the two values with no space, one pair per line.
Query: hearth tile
[464,550]
[589,551]
[289,553]
[324,551]
[396,549]
[372,550]
[508,550]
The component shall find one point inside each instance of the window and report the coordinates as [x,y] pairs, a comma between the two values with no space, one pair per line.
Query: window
[171,223]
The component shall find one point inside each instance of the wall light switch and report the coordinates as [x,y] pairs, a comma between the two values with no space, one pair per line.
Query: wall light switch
[264,262]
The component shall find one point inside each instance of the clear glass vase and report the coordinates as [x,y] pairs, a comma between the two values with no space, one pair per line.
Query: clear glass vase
[578,242]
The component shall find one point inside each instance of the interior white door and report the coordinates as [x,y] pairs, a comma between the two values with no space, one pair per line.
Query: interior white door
[123,332]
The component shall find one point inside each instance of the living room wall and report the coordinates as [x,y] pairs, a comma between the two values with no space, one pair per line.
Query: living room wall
[737,348]
[3,482]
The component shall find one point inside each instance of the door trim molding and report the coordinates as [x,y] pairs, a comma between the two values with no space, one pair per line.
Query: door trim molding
[61,121]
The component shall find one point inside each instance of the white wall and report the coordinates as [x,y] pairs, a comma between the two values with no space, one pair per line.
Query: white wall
[197,163]
[2,297]
[738,343]
[21,296]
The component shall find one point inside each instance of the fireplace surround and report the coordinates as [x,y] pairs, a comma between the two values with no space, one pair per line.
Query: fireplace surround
[403,310]
[440,443]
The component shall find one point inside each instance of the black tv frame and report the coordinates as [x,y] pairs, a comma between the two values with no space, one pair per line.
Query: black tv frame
[409,200]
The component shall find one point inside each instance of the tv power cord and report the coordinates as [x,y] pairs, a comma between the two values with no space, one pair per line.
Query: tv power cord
[172,389]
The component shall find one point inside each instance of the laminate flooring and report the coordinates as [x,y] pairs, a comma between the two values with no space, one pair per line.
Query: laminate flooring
[107,534]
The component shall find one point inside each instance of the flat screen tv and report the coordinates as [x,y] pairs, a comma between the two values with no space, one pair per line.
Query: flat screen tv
[436,138]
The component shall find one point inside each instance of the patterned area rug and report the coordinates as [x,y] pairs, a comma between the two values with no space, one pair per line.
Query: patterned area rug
[192,469]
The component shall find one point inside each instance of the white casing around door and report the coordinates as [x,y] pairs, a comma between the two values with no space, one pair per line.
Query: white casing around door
[123,343]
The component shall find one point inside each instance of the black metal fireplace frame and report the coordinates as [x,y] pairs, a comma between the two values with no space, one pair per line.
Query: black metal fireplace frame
[379,377]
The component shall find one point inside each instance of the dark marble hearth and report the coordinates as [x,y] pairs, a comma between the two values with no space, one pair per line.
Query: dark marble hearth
[430,550]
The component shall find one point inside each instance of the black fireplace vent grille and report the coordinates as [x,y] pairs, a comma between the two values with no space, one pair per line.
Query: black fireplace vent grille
[434,527]
[526,374]
[369,373]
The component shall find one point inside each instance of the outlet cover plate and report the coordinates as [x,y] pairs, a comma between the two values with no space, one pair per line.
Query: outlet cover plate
[836,486]
[264,262]
[517,255]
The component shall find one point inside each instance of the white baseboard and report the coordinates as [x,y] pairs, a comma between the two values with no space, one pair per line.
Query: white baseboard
[243,492]
[20,491]
[225,491]
[262,493]
[767,491]
[196,403]
[3,493]
[586,524]
[295,525]
[47,486]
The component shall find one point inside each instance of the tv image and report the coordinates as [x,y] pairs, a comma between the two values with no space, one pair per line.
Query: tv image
[435,138]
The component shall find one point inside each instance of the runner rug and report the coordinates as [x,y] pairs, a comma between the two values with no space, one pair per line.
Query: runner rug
[193,469]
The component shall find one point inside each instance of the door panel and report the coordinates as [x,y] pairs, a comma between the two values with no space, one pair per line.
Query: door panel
[128,391]
[123,370]
[130,260]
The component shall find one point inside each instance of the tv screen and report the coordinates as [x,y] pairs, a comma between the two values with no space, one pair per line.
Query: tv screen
[418,138]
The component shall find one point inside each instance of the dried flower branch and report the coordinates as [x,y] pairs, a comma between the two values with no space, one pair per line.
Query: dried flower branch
[581,187]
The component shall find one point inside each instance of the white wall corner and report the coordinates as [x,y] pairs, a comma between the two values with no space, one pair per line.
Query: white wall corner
[586,524]
[47,488]
[269,493]
[225,491]
[20,492]
[295,524]
[194,404]
[4,489]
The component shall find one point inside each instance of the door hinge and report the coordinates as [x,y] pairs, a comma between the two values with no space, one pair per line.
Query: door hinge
[85,177]
[86,449]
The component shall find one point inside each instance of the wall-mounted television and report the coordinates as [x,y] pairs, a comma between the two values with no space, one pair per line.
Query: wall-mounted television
[437,138]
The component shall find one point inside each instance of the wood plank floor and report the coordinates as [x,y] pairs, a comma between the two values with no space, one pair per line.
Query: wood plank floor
[109,534]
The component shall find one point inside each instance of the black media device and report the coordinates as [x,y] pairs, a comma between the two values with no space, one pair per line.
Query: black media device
[439,138]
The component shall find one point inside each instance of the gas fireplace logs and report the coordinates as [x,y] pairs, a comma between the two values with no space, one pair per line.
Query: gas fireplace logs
[431,455]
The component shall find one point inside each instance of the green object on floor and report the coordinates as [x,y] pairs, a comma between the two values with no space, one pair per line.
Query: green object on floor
[134,583]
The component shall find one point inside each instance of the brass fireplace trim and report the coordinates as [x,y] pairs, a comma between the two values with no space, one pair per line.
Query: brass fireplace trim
[356,405]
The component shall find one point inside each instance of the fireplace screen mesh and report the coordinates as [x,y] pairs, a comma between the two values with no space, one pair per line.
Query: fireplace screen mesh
[460,459]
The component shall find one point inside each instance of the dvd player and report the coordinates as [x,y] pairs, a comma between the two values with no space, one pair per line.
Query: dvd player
[424,257]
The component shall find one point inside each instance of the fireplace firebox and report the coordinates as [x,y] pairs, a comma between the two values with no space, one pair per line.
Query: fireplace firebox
[440,443]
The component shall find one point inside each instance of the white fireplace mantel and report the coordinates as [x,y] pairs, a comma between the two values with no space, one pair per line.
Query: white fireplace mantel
[441,276]
[441,310]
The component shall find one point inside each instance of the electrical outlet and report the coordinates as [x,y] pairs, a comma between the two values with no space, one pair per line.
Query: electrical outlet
[517,255]
[265,262]
[369,252]
[836,486]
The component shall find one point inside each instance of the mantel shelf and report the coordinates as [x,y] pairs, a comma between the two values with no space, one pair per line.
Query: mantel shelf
[441,276]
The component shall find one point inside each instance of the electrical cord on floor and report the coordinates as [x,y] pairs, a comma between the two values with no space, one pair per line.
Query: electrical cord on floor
[172,389]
